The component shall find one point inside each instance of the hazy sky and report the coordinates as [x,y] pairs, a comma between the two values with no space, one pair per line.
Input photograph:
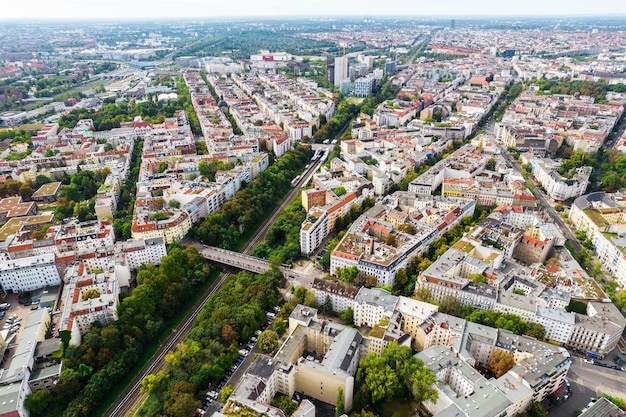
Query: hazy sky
[138,9]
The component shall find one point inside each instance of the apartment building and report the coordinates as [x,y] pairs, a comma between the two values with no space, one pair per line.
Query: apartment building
[337,353]
[172,228]
[558,187]
[341,70]
[603,217]
[341,295]
[314,231]
[80,310]
[139,252]
[371,305]
[539,371]
[29,273]
[378,249]
[599,331]
[14,386]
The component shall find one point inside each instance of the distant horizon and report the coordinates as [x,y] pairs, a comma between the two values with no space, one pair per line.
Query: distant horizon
[120,10]
[310,17]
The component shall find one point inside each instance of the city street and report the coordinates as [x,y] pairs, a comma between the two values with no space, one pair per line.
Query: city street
[545,204]
[589,381]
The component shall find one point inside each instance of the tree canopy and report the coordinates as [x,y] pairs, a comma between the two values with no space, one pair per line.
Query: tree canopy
[107,353]
[268,341]
[395,374]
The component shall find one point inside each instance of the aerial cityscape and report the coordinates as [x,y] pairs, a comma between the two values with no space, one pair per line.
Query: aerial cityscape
[265,210]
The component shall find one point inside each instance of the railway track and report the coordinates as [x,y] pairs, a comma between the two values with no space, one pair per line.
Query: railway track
[131,398]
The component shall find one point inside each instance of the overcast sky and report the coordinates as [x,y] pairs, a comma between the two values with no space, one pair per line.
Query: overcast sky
[142,9]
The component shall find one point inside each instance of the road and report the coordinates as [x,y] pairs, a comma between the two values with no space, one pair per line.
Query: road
[131,398]
[545,204]
[589,381]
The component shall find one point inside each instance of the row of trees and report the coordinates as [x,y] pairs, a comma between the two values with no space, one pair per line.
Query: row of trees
[16,136]
[230,316]
[282,241]
[13,188]
[595,89]
[184,101]
[242,213]
[93,370]
[346,111]
[122,223]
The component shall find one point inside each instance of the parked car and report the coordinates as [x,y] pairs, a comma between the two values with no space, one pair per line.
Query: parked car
[5,306]
[243,352]
[588,361]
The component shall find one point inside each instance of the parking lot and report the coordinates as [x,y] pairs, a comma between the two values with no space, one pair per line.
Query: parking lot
[247,354]
[19,313]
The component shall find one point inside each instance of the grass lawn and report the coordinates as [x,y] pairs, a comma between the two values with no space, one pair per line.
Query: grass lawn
[355,100]
[398,408]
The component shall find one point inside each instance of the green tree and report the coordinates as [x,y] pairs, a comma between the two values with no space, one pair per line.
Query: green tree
[340,409]
[90,293]
[423,384]
[26,192]
[536,409]
[71,192]
[268,341]
[300,294]
[327,306]
[576,306]
[395,374]
[423,294]
[536,330]
[310,299]
[39,403]
[226,393]
[501,362]
[280,326]
[286,404]
[621,298]
[478,278]
[347,316]
[349,273]
[596,269]
[41,180]
[339,191]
